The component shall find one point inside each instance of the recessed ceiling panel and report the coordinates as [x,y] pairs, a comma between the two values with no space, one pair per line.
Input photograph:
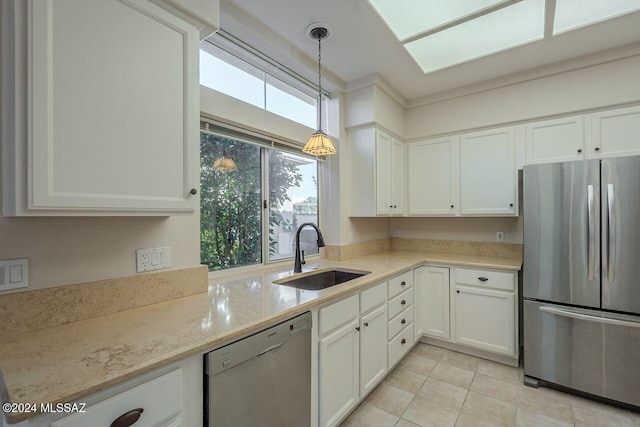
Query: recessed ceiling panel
[572,14]
[407,18]
[512,26]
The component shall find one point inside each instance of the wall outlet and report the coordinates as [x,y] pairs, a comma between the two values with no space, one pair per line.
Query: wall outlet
[153,259]
[499,236]
[14,273]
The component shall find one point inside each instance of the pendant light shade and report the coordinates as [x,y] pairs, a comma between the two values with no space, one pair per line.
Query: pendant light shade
[319,143]
[225,164]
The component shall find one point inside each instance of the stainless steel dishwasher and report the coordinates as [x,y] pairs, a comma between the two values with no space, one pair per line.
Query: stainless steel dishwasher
[263,379]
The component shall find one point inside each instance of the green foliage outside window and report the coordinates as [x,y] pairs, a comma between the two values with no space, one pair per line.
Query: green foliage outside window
[231,202]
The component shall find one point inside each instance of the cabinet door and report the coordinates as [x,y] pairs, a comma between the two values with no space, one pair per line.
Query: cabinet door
[432,176]
[383,173]
[615,133]
[485,319]
[432,285]
[338,373]
[558,140]
[373,346]
[113,121]
[488,178]
[397,177]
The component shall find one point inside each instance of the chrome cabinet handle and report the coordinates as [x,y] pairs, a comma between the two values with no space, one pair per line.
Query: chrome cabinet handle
[591,245]
[128,418]
[612,233]
[483,279]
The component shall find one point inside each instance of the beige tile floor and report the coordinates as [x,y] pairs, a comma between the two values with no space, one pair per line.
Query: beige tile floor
[438,387]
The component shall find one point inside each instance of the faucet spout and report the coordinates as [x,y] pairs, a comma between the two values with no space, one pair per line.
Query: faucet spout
[297,267]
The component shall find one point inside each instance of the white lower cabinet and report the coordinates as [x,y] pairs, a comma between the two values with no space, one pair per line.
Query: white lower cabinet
[373,342]
[432,302]
[338,376]
[485,319]
[401,317]
[465,308]
[167,397]
[353,351]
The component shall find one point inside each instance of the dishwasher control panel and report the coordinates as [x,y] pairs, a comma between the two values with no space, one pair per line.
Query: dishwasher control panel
[299,324]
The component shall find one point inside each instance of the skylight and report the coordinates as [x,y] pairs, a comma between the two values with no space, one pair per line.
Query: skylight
[443,33]
[409,18]
[572,14]
[512,26]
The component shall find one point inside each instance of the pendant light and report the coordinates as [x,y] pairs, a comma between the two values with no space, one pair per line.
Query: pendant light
[319,143]
[225,164]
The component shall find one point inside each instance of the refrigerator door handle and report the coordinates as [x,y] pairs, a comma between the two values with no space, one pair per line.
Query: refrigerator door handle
[592,233]
[611,233]
[581,316]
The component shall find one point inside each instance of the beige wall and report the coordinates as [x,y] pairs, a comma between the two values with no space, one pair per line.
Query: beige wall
[69,250]
[594,87]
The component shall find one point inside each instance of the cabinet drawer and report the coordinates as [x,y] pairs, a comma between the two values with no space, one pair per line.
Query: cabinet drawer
[486,279]
[161,399]
[400,345]
[337,314]
[372,297]
[400,302]
[400,283]
[400,322]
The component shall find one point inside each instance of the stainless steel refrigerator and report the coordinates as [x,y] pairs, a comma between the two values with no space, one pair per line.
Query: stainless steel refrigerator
[581,278]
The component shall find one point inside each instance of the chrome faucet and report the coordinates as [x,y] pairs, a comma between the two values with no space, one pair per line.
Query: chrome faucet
[297,267]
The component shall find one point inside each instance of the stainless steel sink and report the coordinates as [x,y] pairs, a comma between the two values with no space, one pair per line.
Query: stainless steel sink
[321,279]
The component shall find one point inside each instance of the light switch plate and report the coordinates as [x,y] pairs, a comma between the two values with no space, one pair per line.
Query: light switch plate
[153,259]
[499,236]
[14,273]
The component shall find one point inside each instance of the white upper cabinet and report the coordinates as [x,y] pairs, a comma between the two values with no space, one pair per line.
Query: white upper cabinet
[398,176]
[615,132]
[603,134]
[488,177]
[555,140]
[102,108]
[378,173]
[433,176]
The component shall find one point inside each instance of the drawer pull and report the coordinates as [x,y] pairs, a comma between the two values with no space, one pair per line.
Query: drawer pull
[193,191]
[483,279]
[403,302]
[403,283]
[404,341]
[403,321]
[358,328]
[128,418]
[366,323]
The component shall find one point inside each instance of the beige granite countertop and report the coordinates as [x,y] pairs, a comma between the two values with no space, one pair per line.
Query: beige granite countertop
[70,361]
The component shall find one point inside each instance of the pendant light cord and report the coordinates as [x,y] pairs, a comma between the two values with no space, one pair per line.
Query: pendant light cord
[319,82]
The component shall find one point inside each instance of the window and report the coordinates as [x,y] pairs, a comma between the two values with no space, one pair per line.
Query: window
[238,225]
[226,73]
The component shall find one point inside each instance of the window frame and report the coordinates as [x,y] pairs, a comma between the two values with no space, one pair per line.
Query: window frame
[265,144]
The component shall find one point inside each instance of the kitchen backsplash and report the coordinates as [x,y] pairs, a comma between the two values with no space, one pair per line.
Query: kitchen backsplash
[44,308]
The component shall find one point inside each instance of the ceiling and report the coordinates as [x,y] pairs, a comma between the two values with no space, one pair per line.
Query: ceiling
[362,44]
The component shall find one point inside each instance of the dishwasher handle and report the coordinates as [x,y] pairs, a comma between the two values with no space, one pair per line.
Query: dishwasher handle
[268,349]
